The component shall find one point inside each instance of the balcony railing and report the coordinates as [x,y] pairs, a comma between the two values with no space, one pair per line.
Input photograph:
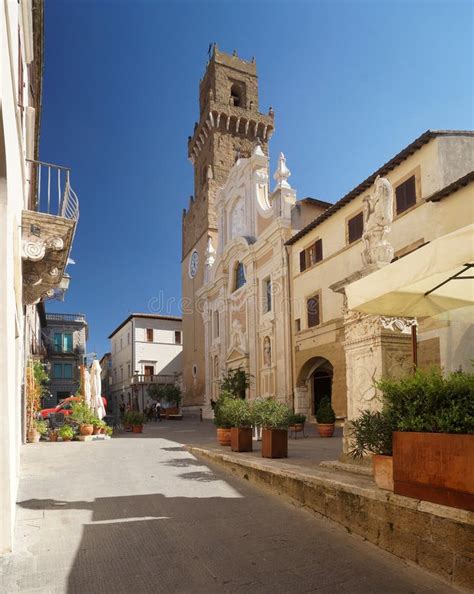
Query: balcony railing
[54,193]
[144,378]
[54,317]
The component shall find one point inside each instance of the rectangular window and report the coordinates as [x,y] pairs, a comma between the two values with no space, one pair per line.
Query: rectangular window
[312,306]
[121,344]
[216,324]
[406,194]
[355,227]
[177,337]
[67,343]
[128,338]
[57,371]
[58,342]
[298,325]
[128,369]
[267,295]
[67,371]
[149,334]
[302,260]
[149,370]
[318,250]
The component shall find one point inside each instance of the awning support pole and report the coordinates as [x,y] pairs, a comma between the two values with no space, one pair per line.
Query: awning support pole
[414,347]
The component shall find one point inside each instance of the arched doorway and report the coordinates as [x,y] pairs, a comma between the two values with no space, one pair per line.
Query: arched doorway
[321,380]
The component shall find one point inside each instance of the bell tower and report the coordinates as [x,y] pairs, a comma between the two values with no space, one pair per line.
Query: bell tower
[230,126]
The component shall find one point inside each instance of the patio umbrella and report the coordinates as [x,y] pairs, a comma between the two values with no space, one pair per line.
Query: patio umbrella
[436,280]
[87,387]
[96,388]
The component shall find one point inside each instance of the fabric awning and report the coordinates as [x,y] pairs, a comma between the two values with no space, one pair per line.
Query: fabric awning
[430,282]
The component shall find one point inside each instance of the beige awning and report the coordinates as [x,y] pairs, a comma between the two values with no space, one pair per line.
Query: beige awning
[430,282]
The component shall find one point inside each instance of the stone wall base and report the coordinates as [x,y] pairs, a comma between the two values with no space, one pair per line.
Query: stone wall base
[435,537]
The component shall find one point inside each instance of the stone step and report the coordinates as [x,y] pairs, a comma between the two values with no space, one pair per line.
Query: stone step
[347,467]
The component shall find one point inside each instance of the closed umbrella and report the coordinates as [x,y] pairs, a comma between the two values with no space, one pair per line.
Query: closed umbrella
[87,387]
[96,388]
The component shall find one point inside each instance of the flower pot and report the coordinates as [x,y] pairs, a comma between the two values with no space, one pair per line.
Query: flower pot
[66,438]
[223,436]
[86,429]
[53,436]
[34,436]
[137,428]
[325,429]
[96,431]
[127,427]
[274,443]
[241,439]
[436,467]
[383,471]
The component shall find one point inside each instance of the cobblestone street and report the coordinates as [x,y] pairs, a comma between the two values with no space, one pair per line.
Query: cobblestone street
[141,514]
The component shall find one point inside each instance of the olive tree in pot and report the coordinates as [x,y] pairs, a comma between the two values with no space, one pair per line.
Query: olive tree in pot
[235,382]
[135,419]
[239,414]
[371,433]
[83,416]
[274,418]
[221,418]
[325,418]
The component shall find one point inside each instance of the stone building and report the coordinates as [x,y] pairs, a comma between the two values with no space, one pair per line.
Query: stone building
[230,125]
[106,374]
[66,339]
[145,349]
[338,352]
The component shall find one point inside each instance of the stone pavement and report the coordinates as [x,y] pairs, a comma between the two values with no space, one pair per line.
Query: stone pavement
[139,513]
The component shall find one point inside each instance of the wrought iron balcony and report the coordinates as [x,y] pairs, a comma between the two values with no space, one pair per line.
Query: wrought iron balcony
[47,230]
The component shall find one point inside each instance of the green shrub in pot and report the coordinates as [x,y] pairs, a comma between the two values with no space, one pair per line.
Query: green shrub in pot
[221,418]
[271,414]
[238,412]
[325,413]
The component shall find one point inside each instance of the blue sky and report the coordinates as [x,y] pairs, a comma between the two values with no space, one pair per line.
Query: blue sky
[351,83]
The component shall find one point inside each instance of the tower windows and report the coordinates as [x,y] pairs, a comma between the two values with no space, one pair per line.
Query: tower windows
[237,94]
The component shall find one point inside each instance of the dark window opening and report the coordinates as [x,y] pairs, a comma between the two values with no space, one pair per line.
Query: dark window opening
[177,337]
[355,227]
[149,334]
[239,276]
[236,95]
[302,260]
[312,307]
[406,194]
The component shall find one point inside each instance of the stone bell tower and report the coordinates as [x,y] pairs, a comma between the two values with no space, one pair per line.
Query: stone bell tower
[230,126]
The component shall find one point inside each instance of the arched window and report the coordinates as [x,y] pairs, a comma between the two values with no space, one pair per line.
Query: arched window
[239,280]
[236,95]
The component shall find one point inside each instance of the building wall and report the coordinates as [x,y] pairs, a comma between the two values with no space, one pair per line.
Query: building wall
[13,199]
[439,162]
[131,352]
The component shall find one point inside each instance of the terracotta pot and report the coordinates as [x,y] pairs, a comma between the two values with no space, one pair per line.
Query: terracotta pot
[96,431]
[241,439]
[137,428]
[223,436]
[436,467]
[53,436]
[127,427]
[34,436]
[86,429]
[274,443]
[325,429]
[67,438]
[383,471]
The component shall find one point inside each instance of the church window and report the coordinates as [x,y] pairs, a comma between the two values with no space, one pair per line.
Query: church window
[267,295]
[355,227]
[312,307]
[216,324]
[239,276]
[406,194]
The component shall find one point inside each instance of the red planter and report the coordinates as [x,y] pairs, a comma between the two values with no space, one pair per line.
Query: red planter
[137,428]
[241,439]
[274,443]
[436,467]
[325,429]
[86,429]
[223,436]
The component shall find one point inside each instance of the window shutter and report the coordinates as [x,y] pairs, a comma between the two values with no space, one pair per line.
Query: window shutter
[355,227]
[302,261]
[406,194]
[318,250]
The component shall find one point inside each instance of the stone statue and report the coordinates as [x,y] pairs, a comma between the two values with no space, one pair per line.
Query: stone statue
[237,219]
[210,253]
[238,340]
[267,351]
[378,216]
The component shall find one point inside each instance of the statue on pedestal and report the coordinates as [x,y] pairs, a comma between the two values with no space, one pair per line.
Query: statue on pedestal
[378,216]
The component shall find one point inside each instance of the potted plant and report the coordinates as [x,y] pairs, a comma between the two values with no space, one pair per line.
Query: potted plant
[325,418]
[221,418]
[371,433]
[274,418]
[53,435]
[66,432]
[235,382]
[239,415]
[136,419]
[83,416]
[297,422]
[108,431]
[433,439]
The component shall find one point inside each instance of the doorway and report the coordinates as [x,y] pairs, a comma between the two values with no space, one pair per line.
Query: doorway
[321,383]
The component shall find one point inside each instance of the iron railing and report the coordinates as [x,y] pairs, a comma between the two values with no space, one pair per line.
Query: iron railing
[55,317]
[143,378]
[54,194]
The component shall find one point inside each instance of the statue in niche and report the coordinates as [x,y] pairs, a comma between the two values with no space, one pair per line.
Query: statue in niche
[238,340]
[378,216]
[267,351]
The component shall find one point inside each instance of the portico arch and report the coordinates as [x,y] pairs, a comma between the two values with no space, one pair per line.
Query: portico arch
[316,377]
